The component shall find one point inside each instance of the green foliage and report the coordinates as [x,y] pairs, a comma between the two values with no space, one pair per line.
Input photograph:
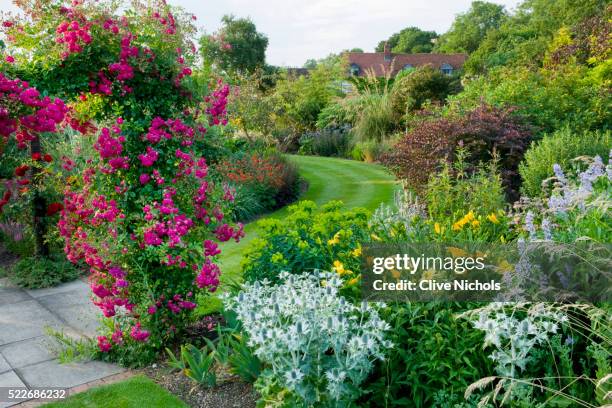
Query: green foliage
[376,119]
[523,38]
[247,203]
[454,191]
[69,349]
[372,151]
[264,181]
[470,28]
[194,363]
[560,148]
[308,238]
[299,101]
[410,40]
[433,351]
[16,239]
[36,273]
[330,141]
[412,90]
[237,47]
[249,108]
[568,96]
[341,112]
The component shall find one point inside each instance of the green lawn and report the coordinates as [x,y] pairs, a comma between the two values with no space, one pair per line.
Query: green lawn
[136,392]
[357,184]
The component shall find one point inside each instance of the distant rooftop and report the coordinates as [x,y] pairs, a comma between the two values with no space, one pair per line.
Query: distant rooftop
[382,63]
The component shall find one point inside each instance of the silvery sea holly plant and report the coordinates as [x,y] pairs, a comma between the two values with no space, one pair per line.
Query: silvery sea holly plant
[316,344]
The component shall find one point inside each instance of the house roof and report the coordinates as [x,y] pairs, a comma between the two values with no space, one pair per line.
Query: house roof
[376,61]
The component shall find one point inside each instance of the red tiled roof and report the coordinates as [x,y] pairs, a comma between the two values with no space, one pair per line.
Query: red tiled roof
[376,61]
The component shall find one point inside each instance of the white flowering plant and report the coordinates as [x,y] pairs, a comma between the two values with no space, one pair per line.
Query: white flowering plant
[315,343]
[513,330]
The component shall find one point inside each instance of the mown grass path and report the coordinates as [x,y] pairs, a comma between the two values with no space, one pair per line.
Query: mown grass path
[357,184]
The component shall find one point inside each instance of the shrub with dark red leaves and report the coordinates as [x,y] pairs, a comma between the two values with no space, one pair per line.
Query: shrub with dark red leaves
[482,131]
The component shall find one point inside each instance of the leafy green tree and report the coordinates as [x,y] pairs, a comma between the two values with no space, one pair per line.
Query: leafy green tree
[410,40]
[237,47]
[410,92]
[250,108]
[297,102]
[524,38]
[469,29]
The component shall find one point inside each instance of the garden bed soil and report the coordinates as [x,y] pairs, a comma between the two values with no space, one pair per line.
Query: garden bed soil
[232,393]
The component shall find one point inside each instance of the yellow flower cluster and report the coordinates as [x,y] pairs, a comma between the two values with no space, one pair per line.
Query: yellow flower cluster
[335,240]
[343,272]
[468,218]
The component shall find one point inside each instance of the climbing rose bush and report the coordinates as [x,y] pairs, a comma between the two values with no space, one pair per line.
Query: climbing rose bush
[26,118]
[147,221]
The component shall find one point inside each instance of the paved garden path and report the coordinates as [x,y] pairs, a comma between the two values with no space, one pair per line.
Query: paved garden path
[26,352]
[355,183]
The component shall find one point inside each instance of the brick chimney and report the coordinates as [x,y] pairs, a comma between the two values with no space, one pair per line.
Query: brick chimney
[387,51]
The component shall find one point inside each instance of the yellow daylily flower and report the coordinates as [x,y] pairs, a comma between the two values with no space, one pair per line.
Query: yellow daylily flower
[493,218]
[475,224]
[339,268]
[437,228]
[334,240]
[354,281]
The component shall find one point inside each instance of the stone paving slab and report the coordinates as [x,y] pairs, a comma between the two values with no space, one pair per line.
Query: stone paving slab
[9,295]
[52,374]
[75,308]
[27,357]
[24,320]
[64,287]
[10,379]
[4,365]
[28,352]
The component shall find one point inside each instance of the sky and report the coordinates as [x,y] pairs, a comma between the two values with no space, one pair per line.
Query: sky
[302,29]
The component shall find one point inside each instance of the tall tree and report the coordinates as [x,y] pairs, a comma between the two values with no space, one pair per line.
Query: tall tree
[470,28]
[524,37]
[237,47]
[410,40]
